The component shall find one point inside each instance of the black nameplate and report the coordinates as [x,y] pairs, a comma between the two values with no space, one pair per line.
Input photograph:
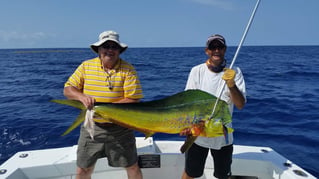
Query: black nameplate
[149,161]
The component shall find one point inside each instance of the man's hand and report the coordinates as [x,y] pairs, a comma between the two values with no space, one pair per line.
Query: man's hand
[194,130]
[186,131]
[229,76]
[87,101]
[73,93]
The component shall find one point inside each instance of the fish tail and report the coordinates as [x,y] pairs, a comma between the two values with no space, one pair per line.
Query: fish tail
[76,123]
[73,103]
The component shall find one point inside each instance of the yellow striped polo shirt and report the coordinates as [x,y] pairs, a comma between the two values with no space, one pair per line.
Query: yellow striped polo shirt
[120,82]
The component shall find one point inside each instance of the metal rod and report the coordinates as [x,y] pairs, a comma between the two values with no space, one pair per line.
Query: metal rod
[235,56]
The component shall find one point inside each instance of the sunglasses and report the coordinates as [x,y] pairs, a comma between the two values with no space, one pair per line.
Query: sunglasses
[214,47]
[111,47]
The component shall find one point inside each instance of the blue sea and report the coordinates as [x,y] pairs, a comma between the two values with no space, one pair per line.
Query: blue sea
[282,109]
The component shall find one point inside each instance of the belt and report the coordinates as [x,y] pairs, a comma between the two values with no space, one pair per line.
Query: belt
[106,124]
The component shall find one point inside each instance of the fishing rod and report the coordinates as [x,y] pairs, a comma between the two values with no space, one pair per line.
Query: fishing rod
[235,56]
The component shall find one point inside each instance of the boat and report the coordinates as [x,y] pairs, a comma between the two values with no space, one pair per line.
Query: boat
[158,159]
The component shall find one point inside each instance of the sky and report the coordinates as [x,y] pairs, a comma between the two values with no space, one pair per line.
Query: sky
[160,23]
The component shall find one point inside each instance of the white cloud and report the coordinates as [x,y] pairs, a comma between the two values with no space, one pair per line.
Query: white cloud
[15,39]
[216,3]
[18,36]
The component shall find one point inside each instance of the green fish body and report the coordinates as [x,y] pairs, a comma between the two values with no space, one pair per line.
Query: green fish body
[168,115]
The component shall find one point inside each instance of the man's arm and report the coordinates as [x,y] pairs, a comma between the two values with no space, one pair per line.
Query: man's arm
[235,94]
[237,97]
[127,100]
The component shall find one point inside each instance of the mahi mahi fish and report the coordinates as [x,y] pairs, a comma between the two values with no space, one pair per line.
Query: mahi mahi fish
[189,109]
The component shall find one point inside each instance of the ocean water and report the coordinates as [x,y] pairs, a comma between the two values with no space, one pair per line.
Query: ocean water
[282,109]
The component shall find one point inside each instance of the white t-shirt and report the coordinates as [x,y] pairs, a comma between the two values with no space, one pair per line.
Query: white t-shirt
[202,78]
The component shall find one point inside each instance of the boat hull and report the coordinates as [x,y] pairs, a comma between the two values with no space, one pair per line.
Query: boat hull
[158,159]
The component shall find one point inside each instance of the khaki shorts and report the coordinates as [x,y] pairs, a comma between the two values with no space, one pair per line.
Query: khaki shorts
[114,142]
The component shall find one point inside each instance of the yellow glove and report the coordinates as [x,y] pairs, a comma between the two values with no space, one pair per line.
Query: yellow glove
[229,76]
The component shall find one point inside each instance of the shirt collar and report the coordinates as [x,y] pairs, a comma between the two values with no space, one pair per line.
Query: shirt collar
[116,67]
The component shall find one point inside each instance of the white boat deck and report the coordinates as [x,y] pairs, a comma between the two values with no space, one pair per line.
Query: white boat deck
[160,159]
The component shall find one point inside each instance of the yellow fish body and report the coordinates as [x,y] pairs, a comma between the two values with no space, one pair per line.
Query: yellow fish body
[168,115]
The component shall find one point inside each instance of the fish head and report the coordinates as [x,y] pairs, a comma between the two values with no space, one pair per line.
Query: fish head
[215,128]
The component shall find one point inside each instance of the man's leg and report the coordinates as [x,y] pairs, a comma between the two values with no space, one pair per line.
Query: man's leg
[185,176]
[84,173]
[134,172]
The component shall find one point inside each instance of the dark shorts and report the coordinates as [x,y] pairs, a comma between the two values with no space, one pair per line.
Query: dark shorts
[114,142]
[195,159]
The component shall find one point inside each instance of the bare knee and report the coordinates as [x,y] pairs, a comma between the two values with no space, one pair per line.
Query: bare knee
[134,172]
[185,176]
[84,173]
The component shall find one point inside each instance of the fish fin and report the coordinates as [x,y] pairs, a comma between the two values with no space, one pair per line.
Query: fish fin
[76,123]
[188,96]
[148,134]
[73,103]
[188,143]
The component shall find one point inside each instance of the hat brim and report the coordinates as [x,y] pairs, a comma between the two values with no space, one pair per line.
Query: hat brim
[96,45]
[216,37]
[216,40]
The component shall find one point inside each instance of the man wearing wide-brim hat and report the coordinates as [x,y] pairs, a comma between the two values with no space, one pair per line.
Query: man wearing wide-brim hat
[108,79]
[108,36]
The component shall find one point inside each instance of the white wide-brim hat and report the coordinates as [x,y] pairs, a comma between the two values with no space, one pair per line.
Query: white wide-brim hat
[108,36]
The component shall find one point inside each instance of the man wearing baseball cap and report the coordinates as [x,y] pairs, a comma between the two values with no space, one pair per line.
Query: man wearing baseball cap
[209,77]
[108,79]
